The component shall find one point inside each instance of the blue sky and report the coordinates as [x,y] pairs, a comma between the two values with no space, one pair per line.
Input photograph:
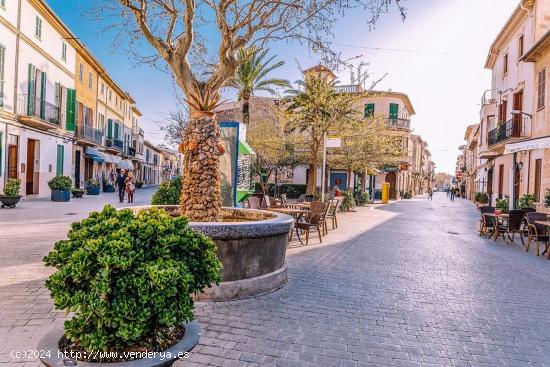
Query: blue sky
[436,56]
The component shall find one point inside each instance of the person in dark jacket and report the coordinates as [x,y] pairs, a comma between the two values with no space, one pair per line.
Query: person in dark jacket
[121,184]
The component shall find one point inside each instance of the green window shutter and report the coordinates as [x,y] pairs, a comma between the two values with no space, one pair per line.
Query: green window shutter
[1,140]
[42,95]
[60,159]
[58,95]
[369,110]
[394,110]
[109,128]
[116,136]
[71,110]
[2,60]
[31,90]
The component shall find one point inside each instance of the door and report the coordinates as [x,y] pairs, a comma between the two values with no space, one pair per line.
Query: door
[88,169]
[60,160]
[77,168]
[338,179]
[29,175]
[391,178]
[517,106]
[12,161]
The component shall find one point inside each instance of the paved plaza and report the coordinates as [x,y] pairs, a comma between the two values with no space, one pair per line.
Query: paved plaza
[406,284]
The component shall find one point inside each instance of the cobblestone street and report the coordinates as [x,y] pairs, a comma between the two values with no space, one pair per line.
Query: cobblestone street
[406,284]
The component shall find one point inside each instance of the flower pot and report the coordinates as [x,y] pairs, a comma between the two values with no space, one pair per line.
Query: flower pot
[78,193]
[108,188]
[92,190]
[53,356]
[61,195]
[9,201]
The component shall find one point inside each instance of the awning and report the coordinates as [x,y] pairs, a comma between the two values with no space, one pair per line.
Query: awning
[94,154]
[245,149]
[109,158]
[540,143]
[125,164]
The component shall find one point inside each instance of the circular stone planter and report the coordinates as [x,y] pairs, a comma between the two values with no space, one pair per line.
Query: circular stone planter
[50,343]
[61,195]
[252,248]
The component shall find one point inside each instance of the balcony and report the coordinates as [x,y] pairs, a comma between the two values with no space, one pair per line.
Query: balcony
[399,123]
[129,151]
[348,88]
[115,144]
[89,133]
[37,112]
[513,128]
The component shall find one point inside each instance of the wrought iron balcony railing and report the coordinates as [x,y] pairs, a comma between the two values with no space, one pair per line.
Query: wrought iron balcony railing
[514,128]
[114,143]
[399,123]
[90,133]
[39,108]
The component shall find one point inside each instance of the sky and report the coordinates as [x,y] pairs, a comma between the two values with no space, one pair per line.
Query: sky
[436,56]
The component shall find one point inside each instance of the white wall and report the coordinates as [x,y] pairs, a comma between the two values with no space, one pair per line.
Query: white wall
[8,40]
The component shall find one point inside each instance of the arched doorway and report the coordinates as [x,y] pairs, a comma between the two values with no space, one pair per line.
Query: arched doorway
[391,178]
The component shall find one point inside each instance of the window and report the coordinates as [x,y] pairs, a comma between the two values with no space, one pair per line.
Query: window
[502,110]
[2,60]
[110,96]
[538,175]
[80,72]
[102,88]
[63,51]
[505,66]
[38,28]
[90,80]
[541,88]
[520,46]
[369,110]
[500,180]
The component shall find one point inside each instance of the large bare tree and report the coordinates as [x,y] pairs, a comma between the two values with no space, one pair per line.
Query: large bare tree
[179,29]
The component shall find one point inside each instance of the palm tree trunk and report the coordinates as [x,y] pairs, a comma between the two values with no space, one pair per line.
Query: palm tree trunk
[246,111]
[200,196]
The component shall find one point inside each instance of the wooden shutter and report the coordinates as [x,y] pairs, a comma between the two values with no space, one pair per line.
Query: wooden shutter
[42,95]
[31,90]
[369,110]
[117,132]
[60,159]
[109,128]
[70,123]
[394,110]
[500,180]
[538,178]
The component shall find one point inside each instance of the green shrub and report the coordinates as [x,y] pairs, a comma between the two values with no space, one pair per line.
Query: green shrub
[364,199]
[129,277]
[407,195]
[348,202]
[139,184]
[77,189]
[292,191]
[60,183]
[12,187]
[481,197]
[503,204]
[168,193]
[527,201]
[93,182]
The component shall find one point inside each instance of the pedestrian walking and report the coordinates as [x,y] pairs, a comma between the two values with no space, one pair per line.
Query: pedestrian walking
[121,184]
[430,193]
[448,191]
[130,187]
[453,193]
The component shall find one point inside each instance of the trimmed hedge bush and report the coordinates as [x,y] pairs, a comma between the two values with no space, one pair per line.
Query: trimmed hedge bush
[292,191]
[12,187]
[60,183]
[348,202]
[168,193]
[129,277]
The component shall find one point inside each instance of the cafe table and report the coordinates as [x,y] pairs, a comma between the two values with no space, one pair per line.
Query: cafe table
[501,219]
[296,213]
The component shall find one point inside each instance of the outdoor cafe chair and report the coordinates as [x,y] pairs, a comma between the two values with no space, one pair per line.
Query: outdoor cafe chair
[514,225]
[333,212]
[486,222]
[254,202]
[537,232]
[313,220]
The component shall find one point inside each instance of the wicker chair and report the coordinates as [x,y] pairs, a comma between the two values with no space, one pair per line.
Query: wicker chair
[537,232]
[486,222]
[314,220]
[515,219]
[254,202]
[333,211]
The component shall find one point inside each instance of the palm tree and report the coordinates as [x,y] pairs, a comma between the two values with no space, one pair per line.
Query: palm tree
[251,76]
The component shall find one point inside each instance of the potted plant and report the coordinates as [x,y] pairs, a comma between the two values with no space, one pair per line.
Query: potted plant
[527,201]
[481,198]
[11,193]
[139,184]
[92,187]
[108,185]
[61,188]
[348,203]
[503,204]
[547,199]
[77,192]
[407,195]
[134,290]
